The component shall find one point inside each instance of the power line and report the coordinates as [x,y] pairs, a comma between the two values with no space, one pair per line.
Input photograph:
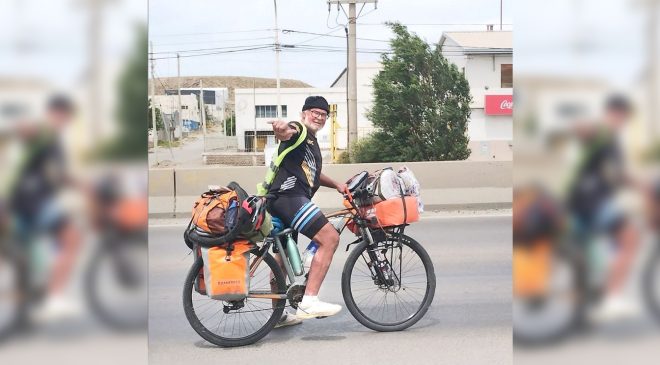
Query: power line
[285,31]
[204,33]
[214,41]
[319,36]
[219,52]
[432,24]
[215,48]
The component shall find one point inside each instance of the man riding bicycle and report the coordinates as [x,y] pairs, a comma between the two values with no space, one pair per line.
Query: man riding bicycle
[292,187]
[600,175]
[34,191]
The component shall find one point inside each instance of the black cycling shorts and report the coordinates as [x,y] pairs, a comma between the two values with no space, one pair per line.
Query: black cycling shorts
[299,213]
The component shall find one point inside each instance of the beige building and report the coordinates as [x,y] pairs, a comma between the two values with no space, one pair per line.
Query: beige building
[486,60]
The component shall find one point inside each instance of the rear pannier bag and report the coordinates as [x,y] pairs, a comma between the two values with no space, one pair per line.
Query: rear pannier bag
[200,285]
[209,212]
[227,271]
[225,214]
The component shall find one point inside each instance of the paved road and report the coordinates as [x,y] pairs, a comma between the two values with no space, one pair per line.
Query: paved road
[468,322]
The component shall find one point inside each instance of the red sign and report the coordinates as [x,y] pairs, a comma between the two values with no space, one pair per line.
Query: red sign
[499,104]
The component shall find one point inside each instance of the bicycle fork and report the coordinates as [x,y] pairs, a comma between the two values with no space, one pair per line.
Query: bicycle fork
[380,267]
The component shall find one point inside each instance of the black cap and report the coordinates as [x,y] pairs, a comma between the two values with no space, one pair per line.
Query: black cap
[618,103]
[316,102]
[60,102]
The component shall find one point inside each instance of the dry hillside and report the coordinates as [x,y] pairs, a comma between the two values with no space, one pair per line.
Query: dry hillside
[230,82]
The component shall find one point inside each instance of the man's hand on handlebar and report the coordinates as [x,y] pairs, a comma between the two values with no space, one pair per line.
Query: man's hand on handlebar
[342,188]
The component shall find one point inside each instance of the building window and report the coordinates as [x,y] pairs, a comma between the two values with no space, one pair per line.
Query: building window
[269,111]
[262,140]
[507,75]
[184,106]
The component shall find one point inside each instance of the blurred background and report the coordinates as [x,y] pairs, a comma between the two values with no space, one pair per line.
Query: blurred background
[586,258]
[73,183]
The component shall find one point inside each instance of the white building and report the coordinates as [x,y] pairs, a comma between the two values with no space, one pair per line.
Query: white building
[255,107]
[486,59]
[215,99]
[190,117]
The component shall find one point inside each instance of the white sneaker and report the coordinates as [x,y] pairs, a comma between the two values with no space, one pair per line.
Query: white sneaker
[616,307]
[315,308]
[57,307]
[288,319]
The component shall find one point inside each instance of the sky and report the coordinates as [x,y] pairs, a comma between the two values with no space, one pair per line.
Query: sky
[177,26]
[50,40]
[582,38]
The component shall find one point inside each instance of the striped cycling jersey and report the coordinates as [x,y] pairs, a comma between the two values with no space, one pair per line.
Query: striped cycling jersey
[300,170]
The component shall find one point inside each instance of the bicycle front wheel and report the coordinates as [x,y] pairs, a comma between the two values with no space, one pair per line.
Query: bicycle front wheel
[399,298]
[238,323]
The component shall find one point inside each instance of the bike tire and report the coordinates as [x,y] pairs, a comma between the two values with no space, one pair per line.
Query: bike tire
[222,340]
[354,301]
[651,286]
[124,306]
[15,275]
[575,316]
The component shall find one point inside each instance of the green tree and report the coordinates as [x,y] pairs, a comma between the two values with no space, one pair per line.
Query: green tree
[131,139]
[421,106]
[159,118]
[230,122]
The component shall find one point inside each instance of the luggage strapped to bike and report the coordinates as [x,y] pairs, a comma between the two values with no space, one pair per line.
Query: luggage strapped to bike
[193,235]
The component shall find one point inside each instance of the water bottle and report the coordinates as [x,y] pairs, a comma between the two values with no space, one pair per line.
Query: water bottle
[308,255]
[294,255]
[230,215]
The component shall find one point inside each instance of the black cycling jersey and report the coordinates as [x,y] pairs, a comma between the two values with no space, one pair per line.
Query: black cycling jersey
[598,177]
[300,171]
[41,176]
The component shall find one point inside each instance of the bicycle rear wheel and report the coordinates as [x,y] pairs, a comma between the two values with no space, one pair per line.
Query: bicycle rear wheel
[239,323]
[403,299]
[651,283]
[13,291]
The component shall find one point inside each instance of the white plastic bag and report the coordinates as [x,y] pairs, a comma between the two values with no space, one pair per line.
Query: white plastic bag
[411,185]
[386,184]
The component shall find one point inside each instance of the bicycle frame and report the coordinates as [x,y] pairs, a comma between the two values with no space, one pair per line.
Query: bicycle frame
[354,214]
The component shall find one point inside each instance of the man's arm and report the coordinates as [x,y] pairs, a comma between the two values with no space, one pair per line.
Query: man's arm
[329,183]
[284,130]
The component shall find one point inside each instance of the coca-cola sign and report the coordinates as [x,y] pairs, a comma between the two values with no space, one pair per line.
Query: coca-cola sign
[499,105]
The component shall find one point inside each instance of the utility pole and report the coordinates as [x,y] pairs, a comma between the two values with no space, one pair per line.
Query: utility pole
[254,101]
[351,71]
[202,111]
[277,66]
[153,102]
[352,77]
[654,73]
[500,14]
[333,132]
[178,89]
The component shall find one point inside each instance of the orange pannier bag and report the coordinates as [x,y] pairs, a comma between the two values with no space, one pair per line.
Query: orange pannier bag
[391,212]
[227,271]
[208,213]
[388,213]
[531,268]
